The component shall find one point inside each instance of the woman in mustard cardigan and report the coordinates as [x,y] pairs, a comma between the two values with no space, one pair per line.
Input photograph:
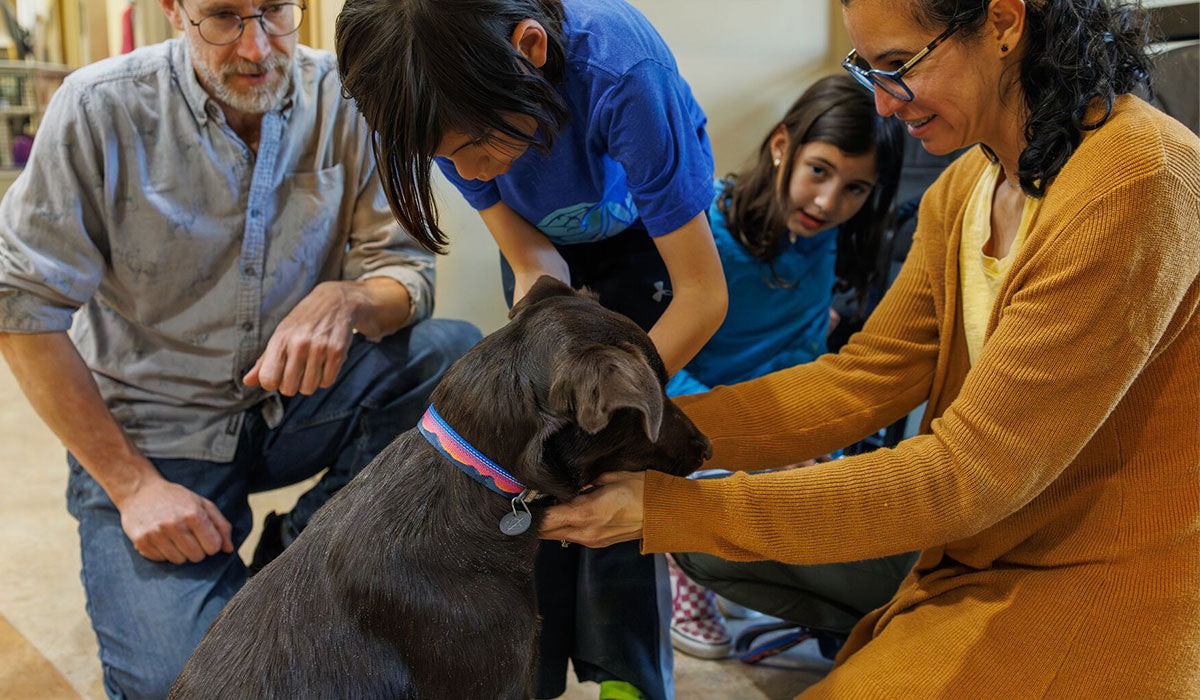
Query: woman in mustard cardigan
[1049,315]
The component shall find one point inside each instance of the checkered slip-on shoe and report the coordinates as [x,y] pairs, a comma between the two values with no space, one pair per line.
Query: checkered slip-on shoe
[697,628]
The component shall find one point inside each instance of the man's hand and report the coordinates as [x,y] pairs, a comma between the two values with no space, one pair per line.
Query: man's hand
[609,514]
[166,521]
[308,348]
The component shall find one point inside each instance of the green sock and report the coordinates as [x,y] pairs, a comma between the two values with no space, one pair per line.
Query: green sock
[619,690]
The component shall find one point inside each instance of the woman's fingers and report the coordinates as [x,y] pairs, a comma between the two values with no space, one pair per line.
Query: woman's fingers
[610,514]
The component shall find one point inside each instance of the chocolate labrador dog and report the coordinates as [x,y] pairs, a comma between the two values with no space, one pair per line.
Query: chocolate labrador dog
[416,579]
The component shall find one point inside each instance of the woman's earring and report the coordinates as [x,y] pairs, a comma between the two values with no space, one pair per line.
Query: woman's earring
[777,162]
[1003,48]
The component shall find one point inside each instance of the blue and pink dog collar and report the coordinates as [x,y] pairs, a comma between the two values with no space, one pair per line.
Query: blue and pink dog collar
[452,446]
[474,464]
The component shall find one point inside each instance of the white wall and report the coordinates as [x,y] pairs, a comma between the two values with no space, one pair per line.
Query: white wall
[746,61]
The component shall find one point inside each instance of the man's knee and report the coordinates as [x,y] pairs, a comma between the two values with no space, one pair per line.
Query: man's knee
[448,339]
[148,674]
[412,358]
[437,343]
[148,616]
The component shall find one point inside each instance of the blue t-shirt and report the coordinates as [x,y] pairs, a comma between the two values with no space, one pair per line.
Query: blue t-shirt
[635,145]
[768,327]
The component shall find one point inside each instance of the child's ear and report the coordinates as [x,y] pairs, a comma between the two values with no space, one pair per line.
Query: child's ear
[530,39]
[778,143]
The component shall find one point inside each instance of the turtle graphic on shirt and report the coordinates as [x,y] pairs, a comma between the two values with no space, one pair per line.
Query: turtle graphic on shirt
[588,222]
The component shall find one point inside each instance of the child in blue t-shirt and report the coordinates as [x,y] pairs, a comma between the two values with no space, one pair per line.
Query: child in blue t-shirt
[812,207]
[569,128]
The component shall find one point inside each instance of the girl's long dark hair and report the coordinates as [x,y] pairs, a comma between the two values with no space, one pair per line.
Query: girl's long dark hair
[416,68]
[1079,53]
[835,110]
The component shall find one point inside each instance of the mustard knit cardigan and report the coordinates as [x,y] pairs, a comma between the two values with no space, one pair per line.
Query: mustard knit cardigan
[1055,486]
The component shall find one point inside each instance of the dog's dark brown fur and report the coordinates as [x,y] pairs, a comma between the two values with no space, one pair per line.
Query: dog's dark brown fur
[402,586]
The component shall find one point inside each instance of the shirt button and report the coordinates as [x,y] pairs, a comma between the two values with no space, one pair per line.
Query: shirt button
[248,325]
[254,213]
[249,271]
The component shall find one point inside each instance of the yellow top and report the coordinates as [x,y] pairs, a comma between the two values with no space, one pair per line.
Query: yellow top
[981,273]
[1055,486]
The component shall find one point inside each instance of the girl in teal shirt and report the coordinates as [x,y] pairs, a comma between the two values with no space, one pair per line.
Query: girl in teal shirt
[810,209]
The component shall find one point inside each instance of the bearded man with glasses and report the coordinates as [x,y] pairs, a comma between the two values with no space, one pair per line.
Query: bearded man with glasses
[204,216]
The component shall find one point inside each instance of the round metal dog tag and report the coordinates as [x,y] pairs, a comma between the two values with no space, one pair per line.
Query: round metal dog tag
[515,523]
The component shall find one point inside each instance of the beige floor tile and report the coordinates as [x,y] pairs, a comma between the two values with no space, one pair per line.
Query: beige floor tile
[24,673]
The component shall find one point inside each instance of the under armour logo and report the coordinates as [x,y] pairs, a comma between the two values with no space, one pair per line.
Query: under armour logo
[661,290]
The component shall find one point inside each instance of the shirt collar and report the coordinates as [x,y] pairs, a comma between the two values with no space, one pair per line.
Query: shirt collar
[199,101]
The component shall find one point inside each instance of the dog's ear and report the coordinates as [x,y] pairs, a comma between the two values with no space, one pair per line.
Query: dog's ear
[593,383]
[545,287]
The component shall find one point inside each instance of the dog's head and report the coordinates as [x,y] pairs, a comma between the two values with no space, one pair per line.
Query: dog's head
[566,391]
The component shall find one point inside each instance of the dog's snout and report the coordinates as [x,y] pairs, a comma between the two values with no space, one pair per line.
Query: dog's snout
[707,449]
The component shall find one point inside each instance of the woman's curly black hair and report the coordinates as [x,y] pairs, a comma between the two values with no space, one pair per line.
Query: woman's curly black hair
[1079,54]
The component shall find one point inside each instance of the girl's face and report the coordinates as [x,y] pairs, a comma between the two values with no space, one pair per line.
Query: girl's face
[484,159]
[491,156]
[955,86]
[827,187]
[476,159]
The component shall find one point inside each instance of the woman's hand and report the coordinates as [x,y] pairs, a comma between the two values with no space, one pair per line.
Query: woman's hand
[610,513]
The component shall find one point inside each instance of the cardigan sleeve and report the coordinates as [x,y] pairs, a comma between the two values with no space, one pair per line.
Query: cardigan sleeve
[1107,287]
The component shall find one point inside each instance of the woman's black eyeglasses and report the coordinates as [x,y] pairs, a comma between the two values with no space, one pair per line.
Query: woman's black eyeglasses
[891,80]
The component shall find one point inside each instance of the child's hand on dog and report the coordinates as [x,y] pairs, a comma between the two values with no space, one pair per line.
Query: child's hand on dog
[607,514]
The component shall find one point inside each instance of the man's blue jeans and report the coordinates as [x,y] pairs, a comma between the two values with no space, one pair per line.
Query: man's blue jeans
[148,615]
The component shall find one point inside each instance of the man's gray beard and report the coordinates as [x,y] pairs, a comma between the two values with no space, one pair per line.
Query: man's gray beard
[258,100]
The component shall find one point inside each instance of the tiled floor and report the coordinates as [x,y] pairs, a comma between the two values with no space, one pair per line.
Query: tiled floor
[47,649]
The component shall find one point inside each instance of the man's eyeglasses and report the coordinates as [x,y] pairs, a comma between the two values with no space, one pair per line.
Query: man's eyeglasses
[891,81]
[224,28]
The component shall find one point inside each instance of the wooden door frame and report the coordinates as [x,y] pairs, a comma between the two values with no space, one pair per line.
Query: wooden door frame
[310,26]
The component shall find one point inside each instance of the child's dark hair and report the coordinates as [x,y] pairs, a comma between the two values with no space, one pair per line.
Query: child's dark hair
[1079,53]
[419,67]
[835,110]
